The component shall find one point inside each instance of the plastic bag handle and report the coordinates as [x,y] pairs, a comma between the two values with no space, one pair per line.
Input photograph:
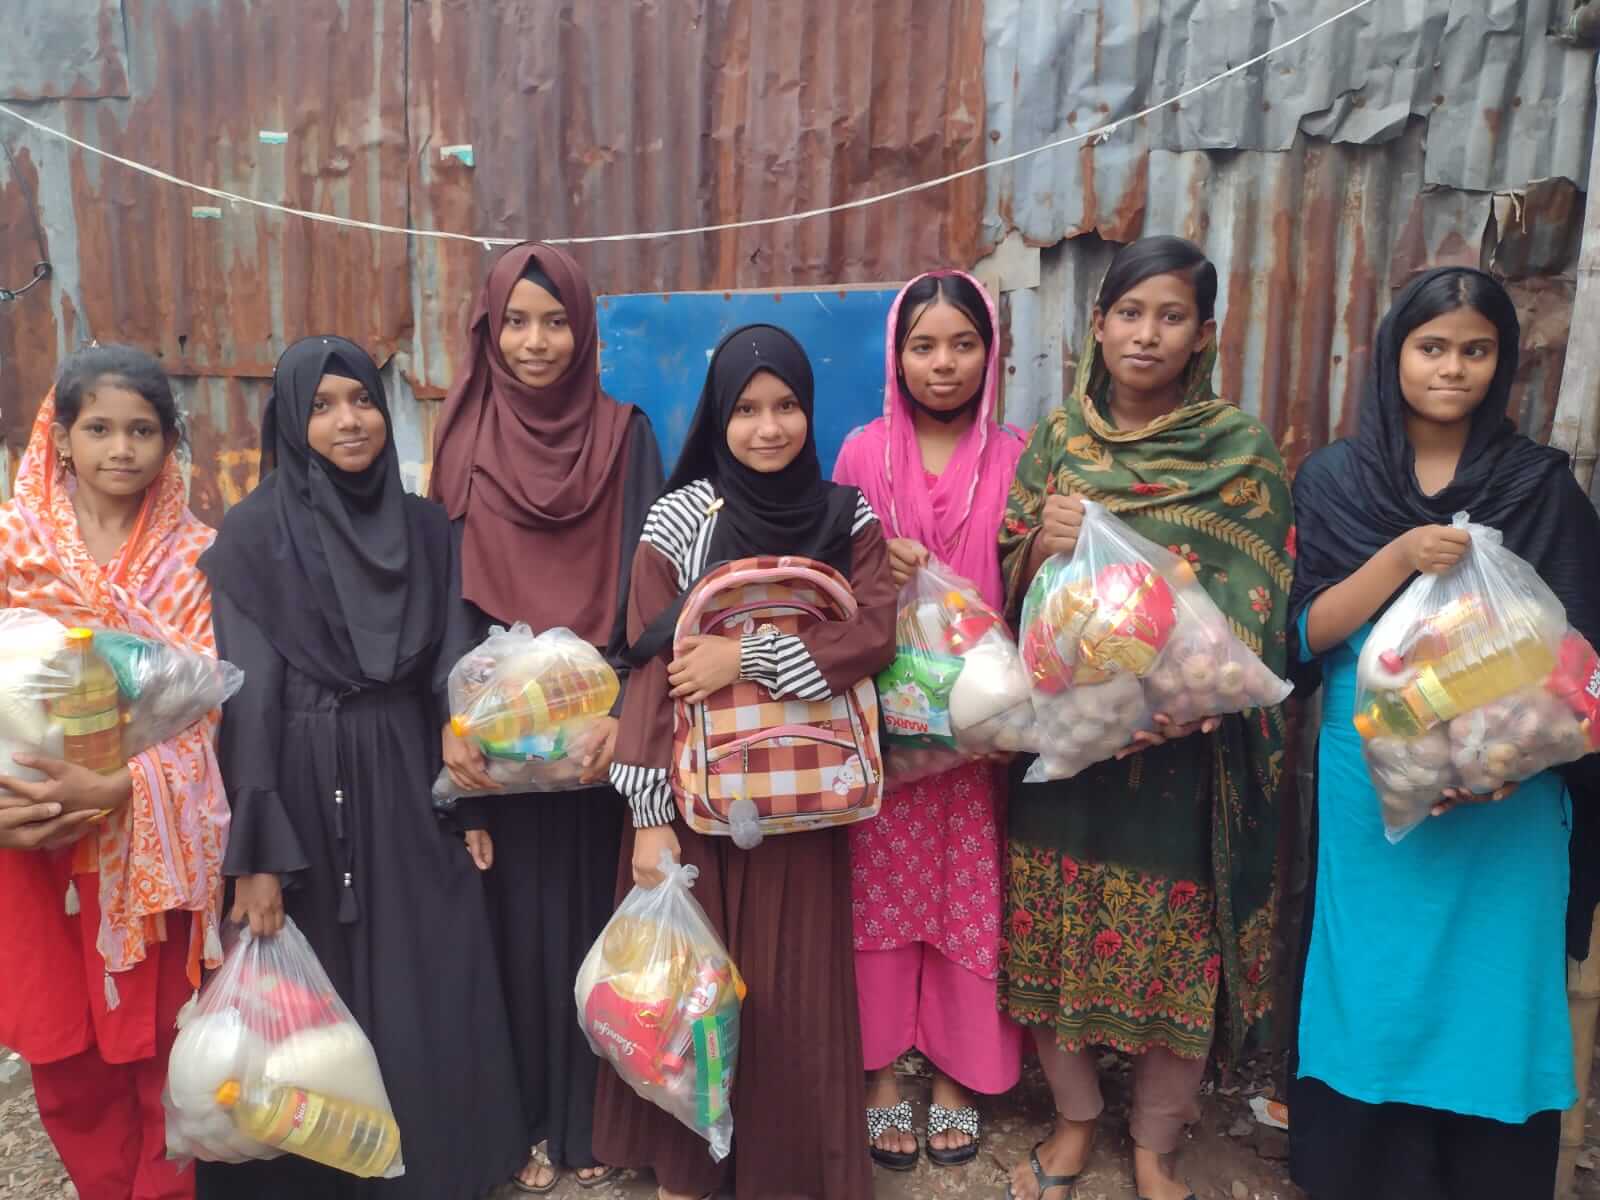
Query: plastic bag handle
[678,873]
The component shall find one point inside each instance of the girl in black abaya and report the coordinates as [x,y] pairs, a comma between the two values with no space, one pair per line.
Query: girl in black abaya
[331,588]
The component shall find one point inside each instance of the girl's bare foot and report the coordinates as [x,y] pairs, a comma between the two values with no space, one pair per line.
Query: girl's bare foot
[1155,1176]
[883,1091]
[1064,1152]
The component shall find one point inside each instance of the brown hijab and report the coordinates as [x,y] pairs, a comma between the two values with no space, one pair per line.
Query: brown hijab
[537,473]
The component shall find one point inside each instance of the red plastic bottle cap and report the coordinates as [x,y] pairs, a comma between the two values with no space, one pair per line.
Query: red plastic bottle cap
[1391,661]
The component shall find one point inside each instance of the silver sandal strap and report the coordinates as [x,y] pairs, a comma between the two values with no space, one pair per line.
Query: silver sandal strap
[962,1120]
[881,1120]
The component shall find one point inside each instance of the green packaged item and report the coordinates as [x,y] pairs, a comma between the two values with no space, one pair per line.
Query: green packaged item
[914,695]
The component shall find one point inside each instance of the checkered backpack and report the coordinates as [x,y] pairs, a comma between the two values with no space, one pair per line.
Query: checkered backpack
[804,764]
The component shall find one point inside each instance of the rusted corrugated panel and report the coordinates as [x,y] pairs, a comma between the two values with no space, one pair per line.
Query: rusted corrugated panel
[610,118]
[1309,246]
[60,49]
[300,102]
[28,333]
[1506,103]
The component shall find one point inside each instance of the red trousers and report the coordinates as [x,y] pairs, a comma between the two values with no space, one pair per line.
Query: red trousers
[106,1118]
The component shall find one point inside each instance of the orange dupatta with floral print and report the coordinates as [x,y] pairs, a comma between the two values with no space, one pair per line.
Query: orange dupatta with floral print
[162,852]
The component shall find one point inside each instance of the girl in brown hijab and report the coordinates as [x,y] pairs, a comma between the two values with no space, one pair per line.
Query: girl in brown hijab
[547,481]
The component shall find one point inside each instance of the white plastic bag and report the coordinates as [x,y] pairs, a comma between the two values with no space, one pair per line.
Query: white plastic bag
[162,689]
[956,690]
[1472,679]
[658,997]
[269,1032]
[1118,632]
[533,705]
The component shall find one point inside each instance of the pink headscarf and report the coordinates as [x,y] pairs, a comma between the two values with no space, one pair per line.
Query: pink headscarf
[956,515]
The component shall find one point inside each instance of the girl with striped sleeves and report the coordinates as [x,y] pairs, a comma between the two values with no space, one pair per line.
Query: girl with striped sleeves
[749,483]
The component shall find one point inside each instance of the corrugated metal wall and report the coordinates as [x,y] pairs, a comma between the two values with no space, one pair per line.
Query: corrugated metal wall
[1418,131]
[1317,181]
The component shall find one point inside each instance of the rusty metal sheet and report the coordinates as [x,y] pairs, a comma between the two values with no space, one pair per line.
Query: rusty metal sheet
[1505,103]
[63,49]
[598,119]
[1309,245]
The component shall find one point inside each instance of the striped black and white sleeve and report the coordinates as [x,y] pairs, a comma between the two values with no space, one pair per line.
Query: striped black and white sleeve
[647,792]
[782,663]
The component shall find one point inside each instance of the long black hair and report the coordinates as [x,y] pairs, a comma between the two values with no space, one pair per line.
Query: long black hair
[1160,255]
[120,366]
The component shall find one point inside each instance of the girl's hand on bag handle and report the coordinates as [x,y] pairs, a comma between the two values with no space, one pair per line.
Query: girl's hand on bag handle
[28,825]
[1457,796]
[465,762]
[73,787]
[704,666]
[1433,549]
[906,555]
[1060,522]
[647,847]
[596,764]
[481,846]
[259,900]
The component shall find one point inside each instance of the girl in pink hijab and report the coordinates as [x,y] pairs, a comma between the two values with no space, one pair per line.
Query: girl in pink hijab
[936,468]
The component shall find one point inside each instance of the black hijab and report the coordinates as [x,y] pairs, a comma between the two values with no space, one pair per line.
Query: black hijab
[1357,495]
[343,572]
[792,511]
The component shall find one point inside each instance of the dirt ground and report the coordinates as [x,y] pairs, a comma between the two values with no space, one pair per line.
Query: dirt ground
[1228,1156]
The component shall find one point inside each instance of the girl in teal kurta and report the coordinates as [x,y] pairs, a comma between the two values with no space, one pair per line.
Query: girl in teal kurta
[1434,1049]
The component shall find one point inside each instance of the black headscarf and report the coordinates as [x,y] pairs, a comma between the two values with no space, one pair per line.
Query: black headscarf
[792,511]
[344,573]
[1357,495]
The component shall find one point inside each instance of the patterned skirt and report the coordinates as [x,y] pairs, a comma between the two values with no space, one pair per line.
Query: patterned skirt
[1109,955]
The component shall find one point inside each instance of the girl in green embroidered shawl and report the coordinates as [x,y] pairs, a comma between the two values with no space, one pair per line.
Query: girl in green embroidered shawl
[1142,892]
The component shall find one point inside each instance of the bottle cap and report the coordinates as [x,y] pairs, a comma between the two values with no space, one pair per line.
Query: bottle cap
[459,726]
[1365,725]
[228,1093]
[80,634]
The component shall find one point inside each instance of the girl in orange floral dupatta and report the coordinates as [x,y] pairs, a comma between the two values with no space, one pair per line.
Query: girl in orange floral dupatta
[108,916]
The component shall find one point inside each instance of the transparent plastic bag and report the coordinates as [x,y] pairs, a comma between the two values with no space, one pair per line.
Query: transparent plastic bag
[1118,632]
[152,691]
[269,1061]
[658,997]
[534,706]
[956,690]
[1472,679]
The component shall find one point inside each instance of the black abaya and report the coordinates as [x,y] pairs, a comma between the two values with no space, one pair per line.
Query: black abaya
[407,943]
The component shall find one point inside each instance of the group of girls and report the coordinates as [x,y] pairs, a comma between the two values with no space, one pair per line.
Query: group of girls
[976,918]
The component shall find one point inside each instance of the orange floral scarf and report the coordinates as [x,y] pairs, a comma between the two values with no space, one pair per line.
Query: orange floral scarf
[162,852]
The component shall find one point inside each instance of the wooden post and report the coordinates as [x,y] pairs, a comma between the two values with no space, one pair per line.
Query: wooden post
[1577,431]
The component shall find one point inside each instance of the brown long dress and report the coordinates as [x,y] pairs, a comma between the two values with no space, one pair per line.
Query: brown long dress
[783,909]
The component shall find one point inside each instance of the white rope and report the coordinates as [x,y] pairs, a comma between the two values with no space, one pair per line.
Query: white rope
[1099,133]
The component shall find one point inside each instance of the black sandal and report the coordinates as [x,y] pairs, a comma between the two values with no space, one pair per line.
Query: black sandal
[879,1122]
[1046,1182]
[959,1120]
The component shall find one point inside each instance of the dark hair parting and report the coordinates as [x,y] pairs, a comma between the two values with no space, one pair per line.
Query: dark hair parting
[955,290]
[121,366]
[1160,255]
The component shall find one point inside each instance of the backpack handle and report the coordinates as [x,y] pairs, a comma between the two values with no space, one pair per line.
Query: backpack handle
[789,567]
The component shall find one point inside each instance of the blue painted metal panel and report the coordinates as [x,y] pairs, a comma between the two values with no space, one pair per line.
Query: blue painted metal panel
[654,349]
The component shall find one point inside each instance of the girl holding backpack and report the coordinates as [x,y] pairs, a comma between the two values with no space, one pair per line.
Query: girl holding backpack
[749,484]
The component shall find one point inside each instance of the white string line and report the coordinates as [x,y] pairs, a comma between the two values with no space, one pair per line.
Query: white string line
[1100,133]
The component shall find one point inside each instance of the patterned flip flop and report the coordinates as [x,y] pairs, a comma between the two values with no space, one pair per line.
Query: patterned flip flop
[960,1120]
[879,1122]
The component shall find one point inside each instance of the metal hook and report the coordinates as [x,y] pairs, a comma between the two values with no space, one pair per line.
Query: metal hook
[40,271]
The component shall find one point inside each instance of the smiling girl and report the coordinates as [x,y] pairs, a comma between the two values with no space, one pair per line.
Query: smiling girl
[936,467]
[110,885]
[1435,1052]
[749,484]
[1142,891]
[332,589]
